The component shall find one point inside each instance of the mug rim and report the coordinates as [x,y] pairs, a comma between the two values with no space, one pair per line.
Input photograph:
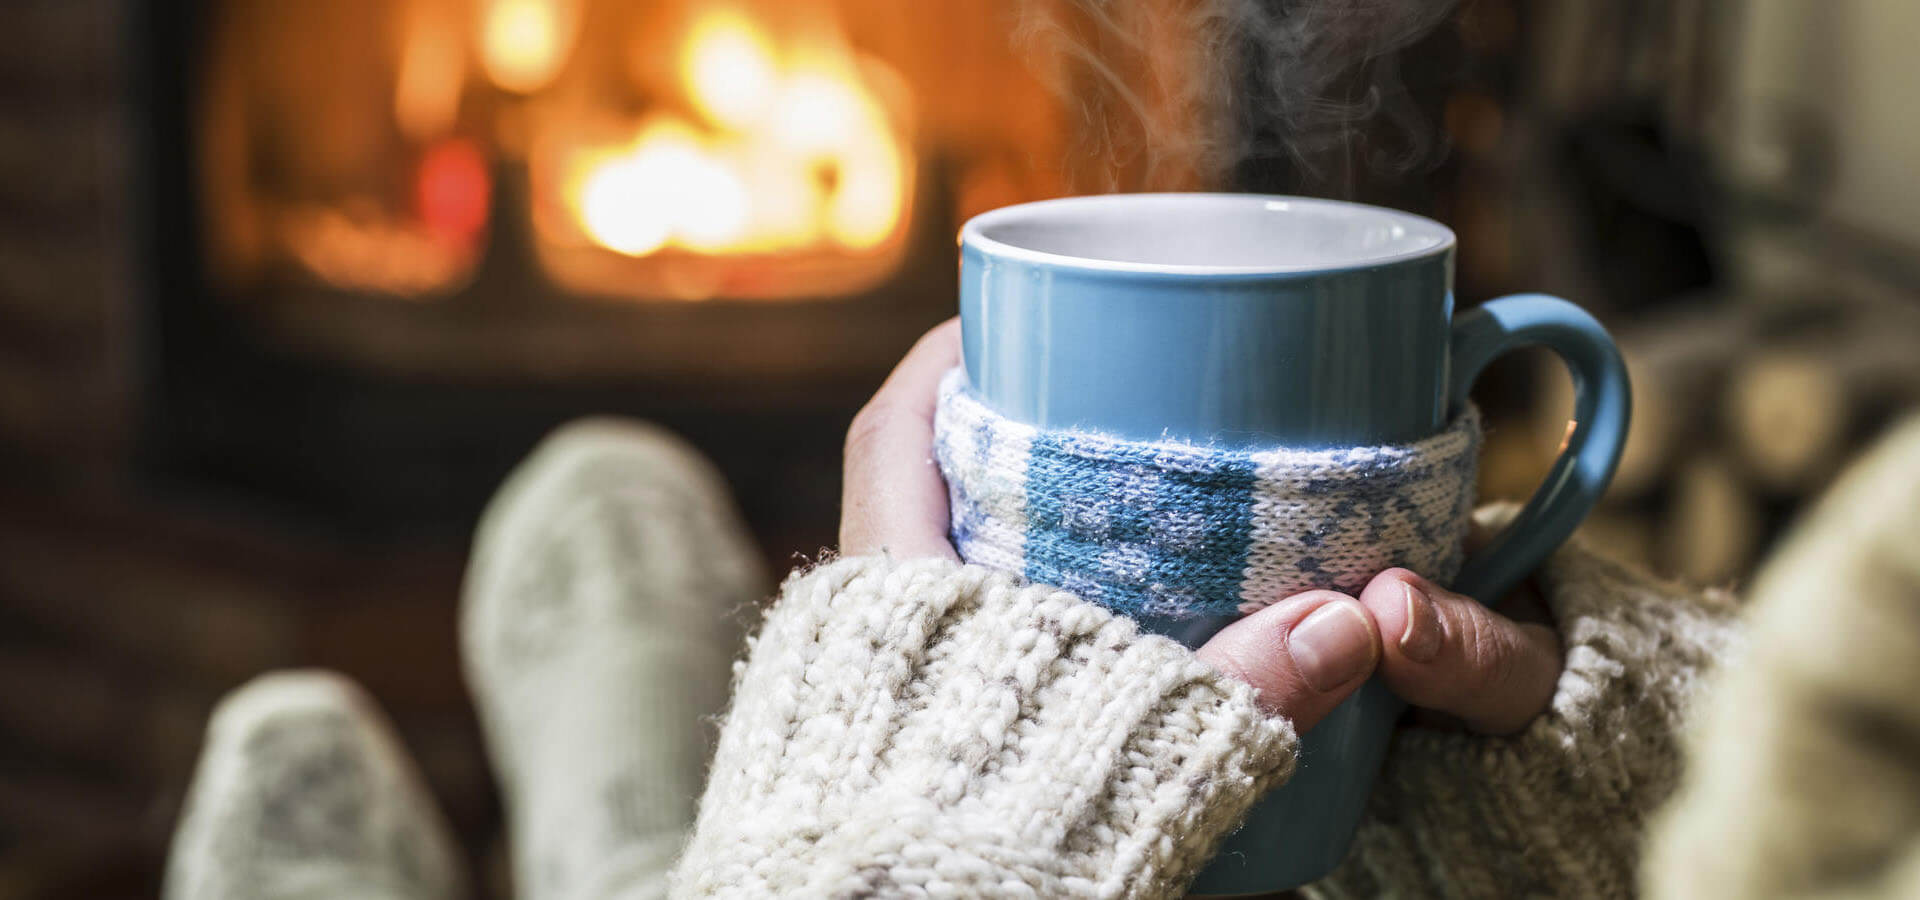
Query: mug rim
[973,234]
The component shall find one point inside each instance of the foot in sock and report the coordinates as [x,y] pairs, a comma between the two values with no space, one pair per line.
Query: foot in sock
[303,791]
[598,629]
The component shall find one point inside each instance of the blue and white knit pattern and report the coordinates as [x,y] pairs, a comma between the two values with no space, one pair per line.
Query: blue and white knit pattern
[1185,530]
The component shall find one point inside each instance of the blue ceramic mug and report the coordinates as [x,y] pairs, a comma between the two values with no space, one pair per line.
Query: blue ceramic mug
[1250,321]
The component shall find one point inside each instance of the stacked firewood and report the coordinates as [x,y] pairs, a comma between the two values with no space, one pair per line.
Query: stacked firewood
[1743,412]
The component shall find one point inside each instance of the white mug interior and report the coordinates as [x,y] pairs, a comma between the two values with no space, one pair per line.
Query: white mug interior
[1206,233]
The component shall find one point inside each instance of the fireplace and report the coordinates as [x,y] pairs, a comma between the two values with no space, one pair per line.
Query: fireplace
[637,152]
[394,240]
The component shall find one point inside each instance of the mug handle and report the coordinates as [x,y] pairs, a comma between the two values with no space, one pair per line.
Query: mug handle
[1601,408]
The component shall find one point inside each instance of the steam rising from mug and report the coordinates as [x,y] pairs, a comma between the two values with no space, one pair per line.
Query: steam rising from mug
[1176,93]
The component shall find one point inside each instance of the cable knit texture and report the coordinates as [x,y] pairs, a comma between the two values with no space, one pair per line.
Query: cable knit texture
[1185,530]
[1558,810]
[926,729]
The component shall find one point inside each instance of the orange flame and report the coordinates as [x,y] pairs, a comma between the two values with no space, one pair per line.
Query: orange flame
[426,90]
[792,151]
[523,43]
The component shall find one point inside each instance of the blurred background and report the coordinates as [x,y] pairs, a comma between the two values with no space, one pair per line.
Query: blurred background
[285,289]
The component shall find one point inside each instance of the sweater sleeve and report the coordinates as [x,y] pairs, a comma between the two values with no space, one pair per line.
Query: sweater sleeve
[1804,771]
[923,728]
[1560,809]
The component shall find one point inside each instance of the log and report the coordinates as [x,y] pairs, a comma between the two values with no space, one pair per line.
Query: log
[1795,411]
[1713,523]
[1787,413]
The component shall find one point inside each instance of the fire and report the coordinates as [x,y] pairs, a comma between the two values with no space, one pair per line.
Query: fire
[426,90]
[667,187]
[729,70]
[523,43]
[789,151]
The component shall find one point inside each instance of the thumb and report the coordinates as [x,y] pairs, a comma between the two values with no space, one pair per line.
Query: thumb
[1446,652]
[1304,654]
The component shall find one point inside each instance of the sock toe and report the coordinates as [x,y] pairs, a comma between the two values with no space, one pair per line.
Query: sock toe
[302,789]
[602,608]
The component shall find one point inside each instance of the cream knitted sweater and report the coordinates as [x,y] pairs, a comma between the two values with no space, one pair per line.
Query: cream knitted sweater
[929,729]
[923,728]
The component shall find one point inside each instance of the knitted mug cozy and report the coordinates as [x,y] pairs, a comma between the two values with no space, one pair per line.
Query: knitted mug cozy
[1182,530]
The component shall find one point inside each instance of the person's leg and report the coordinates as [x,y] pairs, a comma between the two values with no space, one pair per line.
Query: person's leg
[302,791]
[598,629]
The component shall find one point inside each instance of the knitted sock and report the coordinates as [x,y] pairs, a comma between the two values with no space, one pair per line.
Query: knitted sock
[1186,530]
[598,634]
[302,791]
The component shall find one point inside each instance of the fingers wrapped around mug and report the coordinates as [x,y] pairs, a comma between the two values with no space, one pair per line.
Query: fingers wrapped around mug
[893,499]
[1304,654]
[1446,652]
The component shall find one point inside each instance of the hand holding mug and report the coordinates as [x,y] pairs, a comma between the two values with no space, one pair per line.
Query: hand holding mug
[1436,649]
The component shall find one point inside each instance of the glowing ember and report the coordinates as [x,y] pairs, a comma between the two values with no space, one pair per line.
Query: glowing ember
[790,153]
[451,192]
[371,254]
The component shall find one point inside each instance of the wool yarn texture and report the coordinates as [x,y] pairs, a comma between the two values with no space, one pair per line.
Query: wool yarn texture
[919,728]
[1561,808]
[1183,530]
[303,789]
[915,728]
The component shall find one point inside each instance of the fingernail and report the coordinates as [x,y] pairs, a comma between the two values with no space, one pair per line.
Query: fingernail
[1421,641]
[1332,647]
